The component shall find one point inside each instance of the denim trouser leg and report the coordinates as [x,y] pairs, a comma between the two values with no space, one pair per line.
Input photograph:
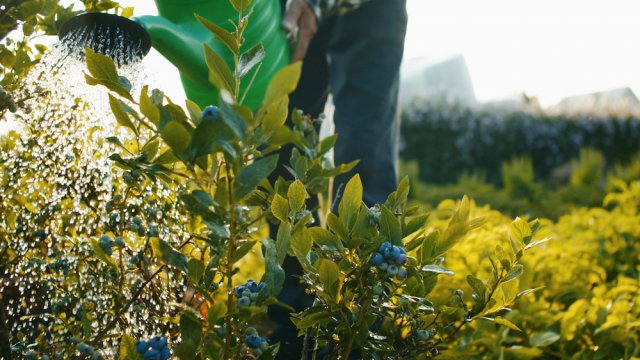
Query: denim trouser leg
[357,58]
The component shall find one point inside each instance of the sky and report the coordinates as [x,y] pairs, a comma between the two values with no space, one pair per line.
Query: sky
[546,48]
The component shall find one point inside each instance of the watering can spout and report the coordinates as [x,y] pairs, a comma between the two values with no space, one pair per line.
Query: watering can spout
[176,45]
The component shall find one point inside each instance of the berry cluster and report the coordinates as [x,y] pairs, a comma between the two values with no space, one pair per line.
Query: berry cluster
[247,294]
[255,342]
[107,243]
[88,350]
[154,349]
[390,258]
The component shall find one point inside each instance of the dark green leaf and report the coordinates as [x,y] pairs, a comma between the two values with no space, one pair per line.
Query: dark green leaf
[242,251]
[168,255]
[250,176]
[120,114]
[390,226]
[195,269]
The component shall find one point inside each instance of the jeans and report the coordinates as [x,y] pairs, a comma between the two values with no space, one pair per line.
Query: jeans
[356,57]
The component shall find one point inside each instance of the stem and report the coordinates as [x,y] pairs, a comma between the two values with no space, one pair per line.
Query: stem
[229,271]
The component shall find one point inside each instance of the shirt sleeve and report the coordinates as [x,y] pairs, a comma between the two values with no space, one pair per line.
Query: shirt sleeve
[329,7]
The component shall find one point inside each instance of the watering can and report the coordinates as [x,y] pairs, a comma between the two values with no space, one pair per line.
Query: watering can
[179,37]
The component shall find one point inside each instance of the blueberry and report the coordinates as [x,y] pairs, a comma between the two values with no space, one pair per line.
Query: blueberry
[392,270]
[396,252]
[383,247]
[254,341]
[238,290]
[402,274]
[119,242]
[211,111]
[137,220]
[158,342]
[105,240]
[89,350]
[108,251]
[134,227]
[378,289]
[142,346]
[250,331]
[388,253]
[383,266]
[425,334]
[165,354]
[401,259]
[377,259]
[152,354]
[244,301]
[127,176]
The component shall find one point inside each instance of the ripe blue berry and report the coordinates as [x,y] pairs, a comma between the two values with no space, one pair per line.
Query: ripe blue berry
[392,270]
[211,111]
[158,342]
[383,247]
[244,301]
[152,354]
[254,341]
[383,266]
[388,253]
[142,346]
[402,274]
[377,259]
[401,259]
[165,353]
[119,242]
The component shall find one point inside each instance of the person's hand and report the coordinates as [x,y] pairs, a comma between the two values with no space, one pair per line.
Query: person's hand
[299,17]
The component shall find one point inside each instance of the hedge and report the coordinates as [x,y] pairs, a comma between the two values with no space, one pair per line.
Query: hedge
[449,140]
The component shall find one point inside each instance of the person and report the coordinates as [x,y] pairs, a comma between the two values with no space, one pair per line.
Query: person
[351,49]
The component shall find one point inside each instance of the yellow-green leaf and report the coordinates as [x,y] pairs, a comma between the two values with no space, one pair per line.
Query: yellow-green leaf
[120,114]
[222,35]
[101,66]
[128,348]
[148,108]
[176,136]
[283,83]
[219,74]
[280,208]
[502,321]
[297,195]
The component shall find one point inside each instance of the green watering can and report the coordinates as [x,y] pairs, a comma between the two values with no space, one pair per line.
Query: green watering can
[179,37]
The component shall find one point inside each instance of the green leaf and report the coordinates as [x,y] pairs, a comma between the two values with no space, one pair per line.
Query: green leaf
[219,74]
[542,339]
[297,195]
[337,226]
[572,318]
[283,83]
[324,238]
[222,35]
[502,321]
[176,136]
[101,67]
[280,208]
[120,114]
[275,115]
[190,327]
[283,240]
[327,144]
[390,226]
[241,5]
[216,311]
[274,275]
[477,286]
[100,254]
[301,243]
[251,175]
[128,348]
[251,58]
[350,202]
[195,113]
[168,255]
[242,251]
[329,273]
[148,108]
[398,198]
[520,232]
[515,272]
[195,269]
[415,224]
[436,269]
[186,350]
[233,120]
